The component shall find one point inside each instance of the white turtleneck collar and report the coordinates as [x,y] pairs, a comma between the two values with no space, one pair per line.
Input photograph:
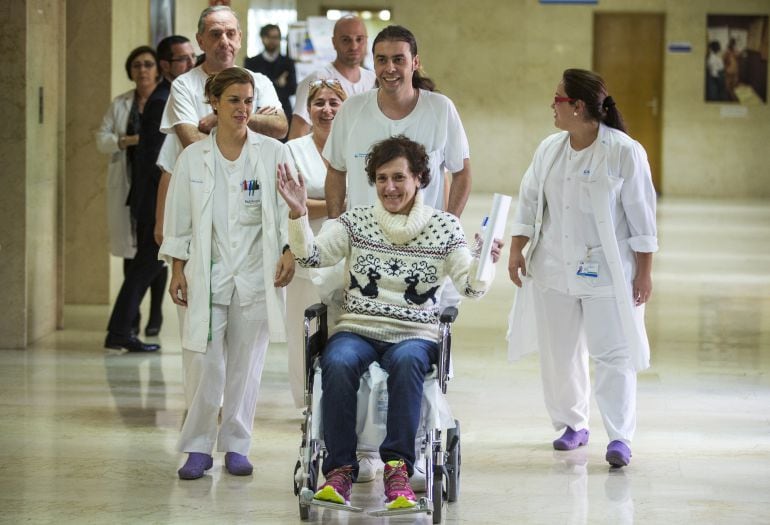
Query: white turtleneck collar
[399,228]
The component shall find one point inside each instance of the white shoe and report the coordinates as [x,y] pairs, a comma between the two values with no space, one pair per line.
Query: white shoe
[368,465]
[417,481]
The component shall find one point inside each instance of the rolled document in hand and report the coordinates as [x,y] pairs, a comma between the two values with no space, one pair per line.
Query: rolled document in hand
[495,229]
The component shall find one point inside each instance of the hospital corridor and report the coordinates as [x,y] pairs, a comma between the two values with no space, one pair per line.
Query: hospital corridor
[88,436]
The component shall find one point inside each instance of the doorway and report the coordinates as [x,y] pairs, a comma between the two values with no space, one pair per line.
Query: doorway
[628,54]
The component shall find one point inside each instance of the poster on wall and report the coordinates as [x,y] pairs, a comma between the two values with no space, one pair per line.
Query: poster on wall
[736,59]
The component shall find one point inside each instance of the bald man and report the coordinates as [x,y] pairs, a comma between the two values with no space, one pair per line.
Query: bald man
[350,42]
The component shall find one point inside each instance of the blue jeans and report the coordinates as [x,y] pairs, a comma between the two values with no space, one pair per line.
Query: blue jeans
[346,357]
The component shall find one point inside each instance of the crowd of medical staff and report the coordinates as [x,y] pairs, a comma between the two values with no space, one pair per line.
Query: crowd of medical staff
[201,186]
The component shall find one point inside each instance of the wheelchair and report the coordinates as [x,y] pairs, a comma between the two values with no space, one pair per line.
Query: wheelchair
[442,459]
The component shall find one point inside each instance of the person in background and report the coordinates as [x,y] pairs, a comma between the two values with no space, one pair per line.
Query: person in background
[275,66]
[715,73]
[349,40]
[731,59]
[404,100]
[587,210]
[118,136]
[324,100]
[175,56]
[225,237]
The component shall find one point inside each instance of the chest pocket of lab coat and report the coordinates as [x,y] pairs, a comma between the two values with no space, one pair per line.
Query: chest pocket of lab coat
[250,213]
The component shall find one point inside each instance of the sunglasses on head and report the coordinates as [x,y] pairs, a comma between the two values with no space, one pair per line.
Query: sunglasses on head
[328,82]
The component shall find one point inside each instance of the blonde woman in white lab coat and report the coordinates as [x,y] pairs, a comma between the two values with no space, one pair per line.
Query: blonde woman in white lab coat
[225,236]
[587,210]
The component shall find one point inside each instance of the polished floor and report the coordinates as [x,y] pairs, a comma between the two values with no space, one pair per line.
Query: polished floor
[88,436]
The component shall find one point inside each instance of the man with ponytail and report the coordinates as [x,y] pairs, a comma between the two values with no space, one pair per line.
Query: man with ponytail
[404,103]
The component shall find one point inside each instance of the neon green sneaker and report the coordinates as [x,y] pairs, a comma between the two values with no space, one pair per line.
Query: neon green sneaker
[398,493]
[339,483]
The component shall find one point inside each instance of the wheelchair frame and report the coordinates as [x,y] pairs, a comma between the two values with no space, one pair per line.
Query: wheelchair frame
[442,464]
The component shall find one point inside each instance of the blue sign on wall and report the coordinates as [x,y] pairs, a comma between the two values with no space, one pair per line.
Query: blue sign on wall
[581,2]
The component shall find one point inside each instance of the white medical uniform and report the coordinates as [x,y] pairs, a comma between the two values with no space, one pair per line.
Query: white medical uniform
[359,124]
[365,82]
[301,292]
[586,211]
[114,123]
[231,238]
[187,100]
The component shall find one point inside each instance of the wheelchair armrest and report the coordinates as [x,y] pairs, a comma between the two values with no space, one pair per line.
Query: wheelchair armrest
[316,310]
[449,314]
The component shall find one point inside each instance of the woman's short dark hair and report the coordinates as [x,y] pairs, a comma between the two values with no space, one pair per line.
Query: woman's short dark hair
[394,148]
[216,84]
[135,53]
[589,87]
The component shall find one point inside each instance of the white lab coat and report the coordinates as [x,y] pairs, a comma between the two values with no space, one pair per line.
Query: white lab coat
[187,231]
[603,188]
[114,123]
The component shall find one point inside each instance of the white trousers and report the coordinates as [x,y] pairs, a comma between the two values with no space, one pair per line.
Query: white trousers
[228,374]
[570,329]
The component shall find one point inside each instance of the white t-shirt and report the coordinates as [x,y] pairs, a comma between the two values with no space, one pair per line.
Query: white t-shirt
[169,152]
[187,101]
[313,169]
[359,124]
[365,83]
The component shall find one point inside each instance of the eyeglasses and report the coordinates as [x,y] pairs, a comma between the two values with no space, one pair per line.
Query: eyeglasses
[185,58]
[328,82]
[556,100]
[147,64]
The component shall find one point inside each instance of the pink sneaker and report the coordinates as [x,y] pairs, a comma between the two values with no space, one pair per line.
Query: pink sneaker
[398,493]
[339,483]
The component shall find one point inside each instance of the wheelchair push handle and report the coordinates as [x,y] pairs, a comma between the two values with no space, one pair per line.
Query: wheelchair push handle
[449,315]
[315,311]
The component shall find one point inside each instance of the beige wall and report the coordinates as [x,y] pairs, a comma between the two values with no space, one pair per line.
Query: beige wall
[500,60]
[29,153]
[88,94]
[130,29]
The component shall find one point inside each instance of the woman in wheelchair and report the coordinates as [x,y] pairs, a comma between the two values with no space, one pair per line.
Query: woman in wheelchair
[398,252]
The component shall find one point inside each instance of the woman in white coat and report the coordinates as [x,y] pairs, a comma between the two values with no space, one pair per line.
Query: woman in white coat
[118,136]
[325,97]
[587,210]
[225,236]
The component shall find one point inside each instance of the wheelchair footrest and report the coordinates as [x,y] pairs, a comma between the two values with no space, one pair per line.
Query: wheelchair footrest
[306,498]
[422,507]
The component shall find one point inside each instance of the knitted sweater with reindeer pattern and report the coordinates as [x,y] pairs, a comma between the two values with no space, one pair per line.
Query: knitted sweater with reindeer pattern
[395,267]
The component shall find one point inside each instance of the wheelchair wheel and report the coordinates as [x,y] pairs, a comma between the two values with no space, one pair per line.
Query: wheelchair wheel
[311,483]
[453,462]
[438,495]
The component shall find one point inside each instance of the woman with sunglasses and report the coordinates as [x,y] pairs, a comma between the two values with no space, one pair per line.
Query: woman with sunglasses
[325,97]
[118,136]
[587,210]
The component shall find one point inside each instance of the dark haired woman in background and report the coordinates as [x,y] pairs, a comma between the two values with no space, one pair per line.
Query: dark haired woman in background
[118,136]
[587,209]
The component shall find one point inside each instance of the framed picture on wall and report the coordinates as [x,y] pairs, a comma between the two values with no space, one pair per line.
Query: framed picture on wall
[161,19]
[736,59]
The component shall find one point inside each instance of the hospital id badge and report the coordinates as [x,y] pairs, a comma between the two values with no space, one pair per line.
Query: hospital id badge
[588,269]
